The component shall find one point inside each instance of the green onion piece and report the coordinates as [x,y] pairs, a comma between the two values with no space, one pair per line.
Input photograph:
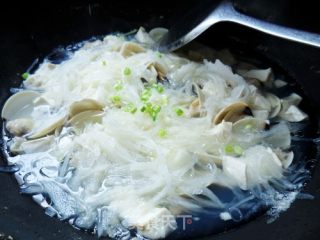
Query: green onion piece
[25,75]
[153,115]
[127,71]
[238,150]
[179,112]
[118,87]
[229,149]
[143,109]
[116,100]
[145,95]
[158,87]
[156,108]
[248,126]
[152,110]
[233,149]
[104,63]
[162,133]
[130,107]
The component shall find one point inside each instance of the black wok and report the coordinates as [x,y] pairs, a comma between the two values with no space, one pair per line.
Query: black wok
[31,30]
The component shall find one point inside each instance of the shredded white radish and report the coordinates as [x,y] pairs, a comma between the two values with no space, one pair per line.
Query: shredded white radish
[140,154]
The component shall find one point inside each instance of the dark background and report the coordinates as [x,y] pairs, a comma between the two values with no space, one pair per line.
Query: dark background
[30,30]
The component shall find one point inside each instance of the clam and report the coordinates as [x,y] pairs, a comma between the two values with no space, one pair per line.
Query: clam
[93,116]
[275,103]
[43,127]
[129,48]
[20,126]
[290,111]
[195,106]
[159,68]
[248,124]
[194,109]
[232,113]
[143,37]
[157,33]
[21,145]
[84,105]
[19,112]
[19,105]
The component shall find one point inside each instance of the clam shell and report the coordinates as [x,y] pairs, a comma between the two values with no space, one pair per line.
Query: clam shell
[159,68]
[254,124]
[47,127]
[129,48]
[275,103]
[78,121]
[20,126]
[18,109]
[22,145]
[143,37]
[194,109]
[231,113]
[19,105]
[158,33]
[195,106]
[84,105]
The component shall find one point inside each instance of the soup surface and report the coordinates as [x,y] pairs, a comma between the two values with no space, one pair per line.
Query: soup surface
[133,143]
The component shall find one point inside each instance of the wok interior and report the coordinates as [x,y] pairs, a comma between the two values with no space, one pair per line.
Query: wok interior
[24,48]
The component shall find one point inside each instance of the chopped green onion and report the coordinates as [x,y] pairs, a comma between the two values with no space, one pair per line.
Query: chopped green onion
[238,150]
[179,112]
[233,149]
[131,108]
[145,95]
[156,108]
[25,75]
[143,109]
[162,133]
[118,86]
[153,115]
[158,87]
[116,100]
[229,149]
[152,110]
[127,71]
[248,126]
[104,63]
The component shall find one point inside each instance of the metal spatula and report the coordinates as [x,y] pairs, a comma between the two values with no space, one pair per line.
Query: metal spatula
[187,29]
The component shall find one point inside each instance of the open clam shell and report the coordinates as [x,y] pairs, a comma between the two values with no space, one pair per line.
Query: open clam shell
[21,145]
[159,68]
[232,112]
[129,48]
[84,105]
[195,106]
[249,124]
[158,33]
[47,126]
[19,110]
[79,121]
[19,105]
